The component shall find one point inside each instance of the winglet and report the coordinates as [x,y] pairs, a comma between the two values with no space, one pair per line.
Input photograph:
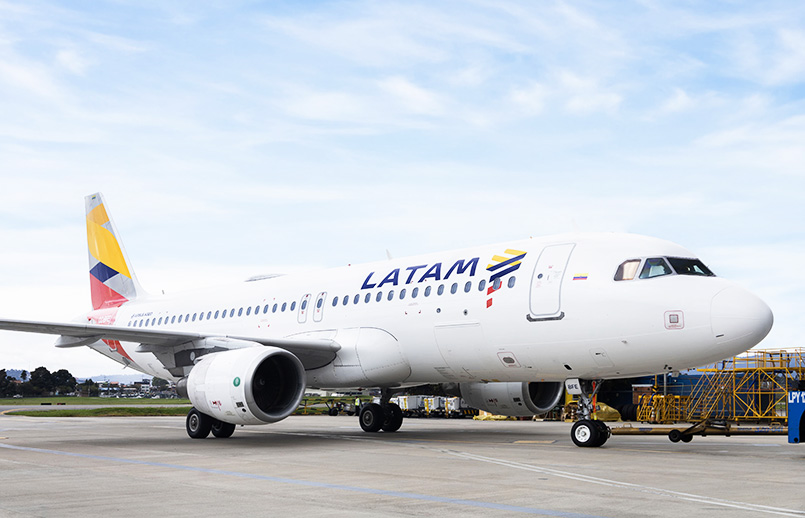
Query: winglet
[112,281]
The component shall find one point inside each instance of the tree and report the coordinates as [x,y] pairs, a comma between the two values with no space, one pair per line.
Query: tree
[63,382]
[159,383]
[42,381]
[24,375]
[7,385]
[89,388]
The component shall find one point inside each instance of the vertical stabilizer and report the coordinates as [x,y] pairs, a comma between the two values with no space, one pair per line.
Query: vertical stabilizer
[111,278]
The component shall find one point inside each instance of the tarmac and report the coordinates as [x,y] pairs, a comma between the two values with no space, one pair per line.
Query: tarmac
[326,466]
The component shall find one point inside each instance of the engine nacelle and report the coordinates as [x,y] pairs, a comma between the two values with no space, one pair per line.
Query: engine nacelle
[254,385]
[513,399]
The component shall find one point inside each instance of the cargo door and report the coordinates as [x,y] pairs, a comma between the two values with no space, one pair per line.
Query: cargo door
[546,283]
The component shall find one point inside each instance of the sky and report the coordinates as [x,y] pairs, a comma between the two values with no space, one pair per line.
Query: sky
[242,137]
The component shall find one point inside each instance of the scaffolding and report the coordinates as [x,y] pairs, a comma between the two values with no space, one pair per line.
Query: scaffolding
[752,387]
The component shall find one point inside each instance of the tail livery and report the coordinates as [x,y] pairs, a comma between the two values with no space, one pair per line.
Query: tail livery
[112,281]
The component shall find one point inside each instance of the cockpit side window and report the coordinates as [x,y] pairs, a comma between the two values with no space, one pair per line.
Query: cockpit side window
[627,270]
[690,267]
[655,267]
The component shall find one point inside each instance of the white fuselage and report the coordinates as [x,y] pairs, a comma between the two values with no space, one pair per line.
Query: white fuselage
[558,314]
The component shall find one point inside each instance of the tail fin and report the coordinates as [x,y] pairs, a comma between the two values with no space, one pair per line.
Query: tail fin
[112,281]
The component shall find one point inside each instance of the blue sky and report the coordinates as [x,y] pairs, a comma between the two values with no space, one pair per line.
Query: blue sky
[237,138]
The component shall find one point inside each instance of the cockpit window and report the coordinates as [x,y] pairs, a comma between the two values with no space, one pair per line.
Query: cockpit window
[627,270]
[690,267]
[655,267]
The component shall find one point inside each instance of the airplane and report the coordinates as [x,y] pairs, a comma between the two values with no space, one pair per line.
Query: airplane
[508,327]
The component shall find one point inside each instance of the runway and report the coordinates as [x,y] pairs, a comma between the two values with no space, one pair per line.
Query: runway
[326,466]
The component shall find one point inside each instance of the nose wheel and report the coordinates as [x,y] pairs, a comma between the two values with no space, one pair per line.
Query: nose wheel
[587,432]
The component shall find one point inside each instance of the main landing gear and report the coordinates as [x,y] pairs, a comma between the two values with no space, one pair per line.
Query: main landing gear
[200,425]
[384,416]
[587,432]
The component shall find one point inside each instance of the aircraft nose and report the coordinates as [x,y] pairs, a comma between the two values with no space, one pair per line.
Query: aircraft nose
[740,320]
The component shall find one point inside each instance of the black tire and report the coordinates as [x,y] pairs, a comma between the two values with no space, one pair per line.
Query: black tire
[198,425]
[585,433]
[333,411]
[603,433]
[675,435]
[686,438]
[393,418]
[371,417]
[222,430]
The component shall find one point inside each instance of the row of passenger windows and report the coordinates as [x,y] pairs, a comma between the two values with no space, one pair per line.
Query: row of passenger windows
[256,310]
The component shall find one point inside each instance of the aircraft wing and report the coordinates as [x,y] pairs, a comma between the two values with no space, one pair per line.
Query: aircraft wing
[312,352]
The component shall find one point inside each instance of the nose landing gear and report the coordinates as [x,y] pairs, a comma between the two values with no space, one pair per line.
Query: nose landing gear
[587,432]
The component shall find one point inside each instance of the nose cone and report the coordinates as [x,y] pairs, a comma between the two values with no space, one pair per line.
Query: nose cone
[740,320]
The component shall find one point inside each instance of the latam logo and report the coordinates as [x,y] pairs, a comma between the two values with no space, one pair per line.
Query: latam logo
[433,271]
[500,267]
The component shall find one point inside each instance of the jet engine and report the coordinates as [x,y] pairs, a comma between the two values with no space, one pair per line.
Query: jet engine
[513,399]
[253,385]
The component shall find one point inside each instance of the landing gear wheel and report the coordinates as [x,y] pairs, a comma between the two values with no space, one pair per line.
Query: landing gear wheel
[372,417]
[222,430]
[393,417]
[686,438]
[675,435]
[198,425]
[603,433]
[585,433]
[333,411]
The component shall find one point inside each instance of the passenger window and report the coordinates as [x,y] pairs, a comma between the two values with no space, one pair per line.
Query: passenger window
[173,319]
[440,290]
[335,301]
[367,298]
[194,317]
[497,283]
[248,311]
[402,293]
[345,301]
[160,321]
[274,308]
[284,305]
[357,298]
[511,282]
[481,285]
[321,301]
[216,314]
[187,317]
[454,288]
[414,293]
[146,322]
[209,315]
[379,296]
[655,267]
[240,312]
[304,305]
[627,270]
[293,305]
[467,286]
[391,295]
[427,291]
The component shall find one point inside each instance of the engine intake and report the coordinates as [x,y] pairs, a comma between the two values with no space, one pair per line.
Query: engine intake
[513,399]
[254,385]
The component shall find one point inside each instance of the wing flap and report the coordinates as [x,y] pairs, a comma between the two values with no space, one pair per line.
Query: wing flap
[312,352]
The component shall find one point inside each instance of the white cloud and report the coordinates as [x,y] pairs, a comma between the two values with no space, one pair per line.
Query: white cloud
[585,95]
[414,98]
[73,61]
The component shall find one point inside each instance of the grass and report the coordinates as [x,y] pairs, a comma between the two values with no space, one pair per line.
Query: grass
[138,407]
[70,400]
[122,411]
